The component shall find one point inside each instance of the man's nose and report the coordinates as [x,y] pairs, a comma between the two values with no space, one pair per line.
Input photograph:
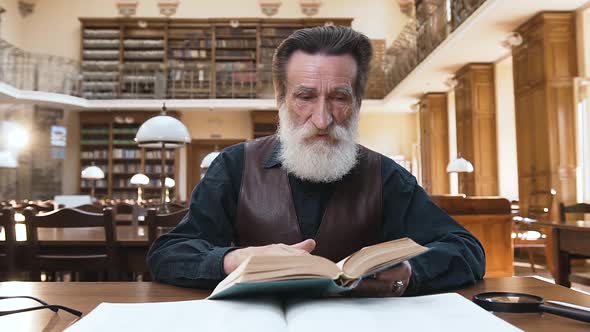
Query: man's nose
[322,117]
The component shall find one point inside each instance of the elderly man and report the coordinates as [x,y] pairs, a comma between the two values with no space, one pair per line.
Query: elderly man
[311,189]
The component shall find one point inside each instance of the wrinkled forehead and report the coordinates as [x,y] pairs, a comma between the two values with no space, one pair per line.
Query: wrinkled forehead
[320,71]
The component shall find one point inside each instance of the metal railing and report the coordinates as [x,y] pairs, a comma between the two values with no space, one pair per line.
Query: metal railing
[434,21]
[108,79]
[38,72]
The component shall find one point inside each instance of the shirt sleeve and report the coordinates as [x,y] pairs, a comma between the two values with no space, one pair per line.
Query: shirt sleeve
[455,258]
[191,255]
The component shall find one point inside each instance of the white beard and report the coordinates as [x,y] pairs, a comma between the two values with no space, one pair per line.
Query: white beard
[319,161]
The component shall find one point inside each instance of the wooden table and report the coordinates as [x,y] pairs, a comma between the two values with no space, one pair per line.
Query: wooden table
[86,296]
[569,239]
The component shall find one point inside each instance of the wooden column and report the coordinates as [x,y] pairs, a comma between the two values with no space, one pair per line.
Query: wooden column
[434,143]
[476,128]
[544,68]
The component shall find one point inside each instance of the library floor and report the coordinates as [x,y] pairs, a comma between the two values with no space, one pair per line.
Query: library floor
[522,268]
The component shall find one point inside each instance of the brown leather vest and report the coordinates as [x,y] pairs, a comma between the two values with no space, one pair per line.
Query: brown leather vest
[266,212]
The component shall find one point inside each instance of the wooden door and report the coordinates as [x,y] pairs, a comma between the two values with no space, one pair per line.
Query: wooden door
[197,150]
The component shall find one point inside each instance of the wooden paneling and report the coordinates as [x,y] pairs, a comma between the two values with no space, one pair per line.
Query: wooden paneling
[489,219]
[544,66]
[196,151]
[476,128]
[434,143]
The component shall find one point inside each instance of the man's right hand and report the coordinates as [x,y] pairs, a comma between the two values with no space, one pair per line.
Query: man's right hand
[234,258]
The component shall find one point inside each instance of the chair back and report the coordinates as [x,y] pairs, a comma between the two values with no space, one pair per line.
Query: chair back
[159,222]
[90,208]
[40,207]
[124,213]
[48,257]
[7,247]
[580,208]
[540,203]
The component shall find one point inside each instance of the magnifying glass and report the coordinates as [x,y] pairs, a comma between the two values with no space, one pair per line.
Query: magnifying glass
[520,302]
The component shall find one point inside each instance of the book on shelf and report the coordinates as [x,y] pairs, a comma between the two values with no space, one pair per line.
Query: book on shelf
[126,153]
[157,154]
[312,275]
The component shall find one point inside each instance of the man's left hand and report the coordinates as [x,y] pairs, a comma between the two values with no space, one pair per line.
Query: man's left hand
[389,283]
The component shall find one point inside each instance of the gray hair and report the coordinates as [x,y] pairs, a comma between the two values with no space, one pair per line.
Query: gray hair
[328,40]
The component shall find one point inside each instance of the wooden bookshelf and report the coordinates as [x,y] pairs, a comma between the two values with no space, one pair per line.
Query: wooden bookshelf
[107,141]
[101,56]
[264,123]
[144,58]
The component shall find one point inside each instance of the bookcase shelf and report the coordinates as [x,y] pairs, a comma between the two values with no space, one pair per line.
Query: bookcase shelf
[118,155]
[181,58]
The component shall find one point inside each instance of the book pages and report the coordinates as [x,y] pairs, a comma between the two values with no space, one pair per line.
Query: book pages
[442,312]
[202,315]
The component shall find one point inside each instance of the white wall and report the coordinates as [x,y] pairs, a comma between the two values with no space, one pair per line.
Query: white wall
[451,111]
[583,41]
[12,25]
[506,130]
[54,28]
[389,133]
[582,93]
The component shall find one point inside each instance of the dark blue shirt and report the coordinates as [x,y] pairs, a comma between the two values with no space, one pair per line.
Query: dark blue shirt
[191,255]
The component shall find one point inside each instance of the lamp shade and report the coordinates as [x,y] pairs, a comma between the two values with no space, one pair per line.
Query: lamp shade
[169,183]
[460,165]
[162,129]
[7,160]
[209,159]
[92,173]
[139,179]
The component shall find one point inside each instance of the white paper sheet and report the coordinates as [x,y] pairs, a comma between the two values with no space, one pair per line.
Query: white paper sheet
[201,315]
[442,312]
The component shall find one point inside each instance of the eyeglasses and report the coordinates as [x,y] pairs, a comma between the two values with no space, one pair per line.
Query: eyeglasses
[45,305]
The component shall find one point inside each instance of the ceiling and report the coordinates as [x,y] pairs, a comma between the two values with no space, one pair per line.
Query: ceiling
[478,39]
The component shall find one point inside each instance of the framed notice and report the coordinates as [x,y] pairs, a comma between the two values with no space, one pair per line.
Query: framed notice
[58,135]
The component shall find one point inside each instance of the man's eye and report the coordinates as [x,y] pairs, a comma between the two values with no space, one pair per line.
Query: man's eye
[306,97]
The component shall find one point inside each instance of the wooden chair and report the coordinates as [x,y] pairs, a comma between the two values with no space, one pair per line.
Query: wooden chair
[489,219]
[90,208]
[7,247]
[176,206]
[124,213]
[53,258]
[526,234]
[578,209]
[162,223]
[159,224]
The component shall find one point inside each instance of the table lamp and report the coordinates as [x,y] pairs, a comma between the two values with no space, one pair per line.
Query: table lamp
[139,180]
[169,183]
[460,165]
[162,131]
[92,173]
[206,162]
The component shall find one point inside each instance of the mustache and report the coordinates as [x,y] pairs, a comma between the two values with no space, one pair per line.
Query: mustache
[336,132]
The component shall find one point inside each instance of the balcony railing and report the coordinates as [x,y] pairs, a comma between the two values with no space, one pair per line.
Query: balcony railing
[154,81]
[31,71]
[433,22]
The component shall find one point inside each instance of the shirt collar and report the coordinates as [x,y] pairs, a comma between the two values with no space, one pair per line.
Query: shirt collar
[274,159]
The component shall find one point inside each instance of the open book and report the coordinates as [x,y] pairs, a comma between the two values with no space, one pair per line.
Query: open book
[313,275]
[441,312]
